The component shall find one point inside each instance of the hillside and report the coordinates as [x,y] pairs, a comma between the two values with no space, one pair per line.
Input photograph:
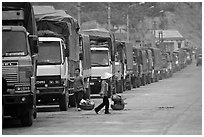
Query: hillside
[185,17]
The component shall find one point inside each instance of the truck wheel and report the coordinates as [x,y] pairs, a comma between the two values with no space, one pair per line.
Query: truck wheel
[149,79]
[137,81]
[147,82]
[2,115]
[128,84]
[129,87]
[120,86]
[27,118]
[134,83]
[35,114]
[143,80]
[152,80]
[72,102]
[64,102]
[156,78]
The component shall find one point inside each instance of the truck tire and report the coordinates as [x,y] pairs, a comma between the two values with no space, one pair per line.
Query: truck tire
[129,87]
[27,118]
[35,114]
[149,78]
[156,78]
[147,81]
[138,82]
[72,102]
[134,83]
[2,115]
[143,81]
[120,87]
[64,102]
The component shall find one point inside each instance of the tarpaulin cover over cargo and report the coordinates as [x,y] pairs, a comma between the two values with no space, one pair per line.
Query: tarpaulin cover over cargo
[98,33]
[60,22]
[29,22]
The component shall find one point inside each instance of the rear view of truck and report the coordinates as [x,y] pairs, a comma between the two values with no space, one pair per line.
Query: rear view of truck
[19,57]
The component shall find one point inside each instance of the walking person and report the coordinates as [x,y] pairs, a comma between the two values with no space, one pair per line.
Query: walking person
[104,94]
[78,88]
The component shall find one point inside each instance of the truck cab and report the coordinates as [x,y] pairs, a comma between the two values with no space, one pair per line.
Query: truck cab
[156,56]
[102,59]
[19,57]
[100,63]
[52,73]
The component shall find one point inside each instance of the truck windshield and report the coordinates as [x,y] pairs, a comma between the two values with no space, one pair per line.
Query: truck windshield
[49,53]
[14,43]
[99,58]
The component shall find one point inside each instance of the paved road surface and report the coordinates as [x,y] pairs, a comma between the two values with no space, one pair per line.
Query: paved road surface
[170,106]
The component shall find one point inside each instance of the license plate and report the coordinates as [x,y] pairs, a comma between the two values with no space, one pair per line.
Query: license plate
[91,83]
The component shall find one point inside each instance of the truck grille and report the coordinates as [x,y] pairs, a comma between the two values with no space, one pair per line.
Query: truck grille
[10,71]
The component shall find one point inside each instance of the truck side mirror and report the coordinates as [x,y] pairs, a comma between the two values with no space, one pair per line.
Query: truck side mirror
[112,57]
[125,61]
[33,41]
[66,52]
[80,56]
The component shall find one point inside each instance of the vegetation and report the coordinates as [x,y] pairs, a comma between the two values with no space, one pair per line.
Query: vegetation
[186,17]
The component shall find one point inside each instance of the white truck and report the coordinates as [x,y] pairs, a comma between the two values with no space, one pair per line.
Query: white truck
[102,59]
[61,50]
[52,72]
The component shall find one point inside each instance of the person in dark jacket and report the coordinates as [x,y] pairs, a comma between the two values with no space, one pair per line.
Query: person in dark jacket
[104,94]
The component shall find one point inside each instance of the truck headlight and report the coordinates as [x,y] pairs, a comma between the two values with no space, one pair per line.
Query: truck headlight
[23,99]
[176,62]
[22,88]
[57,81]
[40,82]
[51,82]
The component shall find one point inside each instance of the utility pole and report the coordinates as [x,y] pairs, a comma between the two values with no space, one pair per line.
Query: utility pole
[79,13]
[128,31]
[154,28]
[109,24]
[128,28]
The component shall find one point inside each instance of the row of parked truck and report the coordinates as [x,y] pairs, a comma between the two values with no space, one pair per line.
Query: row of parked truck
[41,50]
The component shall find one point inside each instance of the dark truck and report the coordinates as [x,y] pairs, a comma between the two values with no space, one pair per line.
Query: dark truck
[166,66]
[139,55]
[137,68]
[19,57]
[149,61]
[156,55]
[188,54]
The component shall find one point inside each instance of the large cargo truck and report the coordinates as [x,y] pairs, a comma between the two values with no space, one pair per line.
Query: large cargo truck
[149,65]
[19,58]
[102,59]
[124,64]
[137,67]
[61,59]
[156,55]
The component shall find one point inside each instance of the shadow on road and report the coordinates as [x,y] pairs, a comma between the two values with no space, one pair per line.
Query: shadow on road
[47,109]
[10,122]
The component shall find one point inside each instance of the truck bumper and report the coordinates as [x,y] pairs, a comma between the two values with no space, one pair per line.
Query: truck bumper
[49,95]
[18,99]
[50,90]
[16,105]
[95,86]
